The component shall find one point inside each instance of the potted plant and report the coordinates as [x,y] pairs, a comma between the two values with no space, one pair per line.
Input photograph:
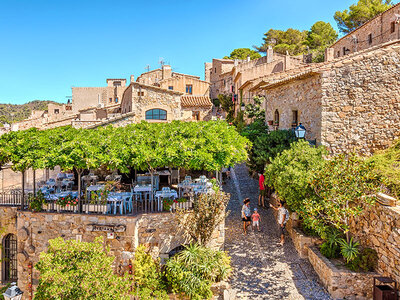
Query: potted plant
[270,122]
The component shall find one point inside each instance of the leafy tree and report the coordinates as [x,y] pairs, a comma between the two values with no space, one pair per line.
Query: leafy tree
[79,270]
[319,37]
[290,41]
[255,110]
[243,53]
[192,271]
[228,106]
[359,13]
[291,171]
[207,214]
[148,276]
[342,188]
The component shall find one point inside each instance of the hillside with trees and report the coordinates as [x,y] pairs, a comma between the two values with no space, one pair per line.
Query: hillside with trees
[10,113]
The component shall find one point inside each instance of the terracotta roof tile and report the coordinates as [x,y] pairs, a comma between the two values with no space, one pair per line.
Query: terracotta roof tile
[195,101]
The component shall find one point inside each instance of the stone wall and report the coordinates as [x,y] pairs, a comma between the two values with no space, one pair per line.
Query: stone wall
[159,231]
[341,283]
[361,101]
[13,180]
[179,82]
[380,29]
[379,228]
[301,95]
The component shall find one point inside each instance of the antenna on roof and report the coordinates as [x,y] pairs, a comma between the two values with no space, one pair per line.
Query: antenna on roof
[161,61]
[147,68]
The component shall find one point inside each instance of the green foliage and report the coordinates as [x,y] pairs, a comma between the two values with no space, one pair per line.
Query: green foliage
[255,110]
[319,37]
[266,144]
[243,53]
[291,171]
[349,249]
[291,41]
[192,271]
[192,145]
[36,202]
[342,189]
[359,13]
[330,251]
[148,276]
[10,113]
[366,261]
[228,106]
[78,270]
[387,165]
[216,102]
[207,214]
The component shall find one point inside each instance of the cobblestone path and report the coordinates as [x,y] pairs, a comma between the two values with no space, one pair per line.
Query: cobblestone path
[262,269]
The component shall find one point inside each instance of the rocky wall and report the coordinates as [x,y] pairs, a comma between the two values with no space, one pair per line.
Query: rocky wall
[361,101]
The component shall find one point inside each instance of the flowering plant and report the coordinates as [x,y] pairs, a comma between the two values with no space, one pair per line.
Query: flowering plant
[66,201]
[167,203]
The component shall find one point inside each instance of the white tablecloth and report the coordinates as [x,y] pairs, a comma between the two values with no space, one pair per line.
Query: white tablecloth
[142,188]
[95,187]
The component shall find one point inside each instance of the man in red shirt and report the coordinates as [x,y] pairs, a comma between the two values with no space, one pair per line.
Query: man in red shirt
[262,190]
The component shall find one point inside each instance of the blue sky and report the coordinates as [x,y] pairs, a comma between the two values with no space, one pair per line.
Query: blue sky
[48,46]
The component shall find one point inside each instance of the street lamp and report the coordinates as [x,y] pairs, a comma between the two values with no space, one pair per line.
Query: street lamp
[243,107]
[300,131]
[13,292]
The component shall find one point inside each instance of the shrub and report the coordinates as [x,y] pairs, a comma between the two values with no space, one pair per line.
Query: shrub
[290,174]
[328,251]
[349,249]
[366,261]
[192,271]
[79,270]
[147,276]
[36,202]
[209,211]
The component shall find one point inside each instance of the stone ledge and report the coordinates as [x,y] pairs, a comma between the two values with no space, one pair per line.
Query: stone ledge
[341,283]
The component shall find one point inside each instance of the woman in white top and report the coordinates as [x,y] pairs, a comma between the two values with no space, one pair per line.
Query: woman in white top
[283,217]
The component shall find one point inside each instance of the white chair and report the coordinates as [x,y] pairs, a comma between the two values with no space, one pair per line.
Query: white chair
[189,178]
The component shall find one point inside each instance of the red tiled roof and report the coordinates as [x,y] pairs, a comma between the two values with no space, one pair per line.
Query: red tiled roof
[195,101]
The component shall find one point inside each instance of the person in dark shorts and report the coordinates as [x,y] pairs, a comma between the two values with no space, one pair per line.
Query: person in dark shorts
[283,217]
[246,214]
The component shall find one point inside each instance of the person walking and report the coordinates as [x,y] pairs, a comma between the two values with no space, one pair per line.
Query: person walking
[256,219]
[246,214]
[261,185]
[283,217]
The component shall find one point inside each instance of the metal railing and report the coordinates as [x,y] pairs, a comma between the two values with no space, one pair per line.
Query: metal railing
[98,206]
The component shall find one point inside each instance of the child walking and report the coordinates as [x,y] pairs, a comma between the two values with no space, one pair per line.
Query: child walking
[283,217]
[256,219]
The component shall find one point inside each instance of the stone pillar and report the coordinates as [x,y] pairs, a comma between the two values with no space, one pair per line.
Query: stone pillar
[132,78]
[287,62]
[166,72]
[329,54]
[270,54]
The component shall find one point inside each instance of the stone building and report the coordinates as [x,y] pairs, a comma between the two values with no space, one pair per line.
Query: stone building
[157,92]
[166,79]
[349,103]
[382,28]
[239,77]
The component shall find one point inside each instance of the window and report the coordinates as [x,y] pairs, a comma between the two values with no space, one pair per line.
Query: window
[196,116]
[171,87]
[9,258]
[189,89]
[370,38]
[338,54]
[215,69]
[392,27]
[110,100]
[56,111]
[156,114]
[116,99]
[140,94]
[117,83]
[295,119]
[276,119]
[344,50]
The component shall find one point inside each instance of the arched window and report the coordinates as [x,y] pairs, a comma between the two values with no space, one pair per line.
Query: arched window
[156,114]
[176,250]
[276,118]
[9,258]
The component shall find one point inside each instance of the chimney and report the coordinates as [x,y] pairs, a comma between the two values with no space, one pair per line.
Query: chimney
[287,62]
[166,72]
[132,78]
[329,54]
[248,58]
[270,54]
[235,62]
